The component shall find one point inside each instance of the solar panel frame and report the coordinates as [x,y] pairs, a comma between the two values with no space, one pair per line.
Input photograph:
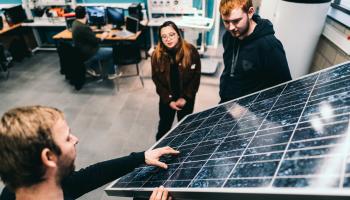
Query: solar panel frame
[288,92]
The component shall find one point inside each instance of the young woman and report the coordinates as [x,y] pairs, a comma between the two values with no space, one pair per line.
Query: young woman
[176,69]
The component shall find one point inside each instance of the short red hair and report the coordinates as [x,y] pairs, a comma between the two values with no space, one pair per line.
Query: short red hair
[226,6]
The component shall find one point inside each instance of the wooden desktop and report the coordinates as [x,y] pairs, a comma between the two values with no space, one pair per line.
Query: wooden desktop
[7,28]
[67,35]
[17,31]
[112,39]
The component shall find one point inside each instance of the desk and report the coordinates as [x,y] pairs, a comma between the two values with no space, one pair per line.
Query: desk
[67,35]
[59,22]
[196,23]
[202,23]
[46,22]
[16,31]
[4,68]
[9,28]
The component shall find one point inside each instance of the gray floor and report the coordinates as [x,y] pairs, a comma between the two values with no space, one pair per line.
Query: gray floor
[111,118]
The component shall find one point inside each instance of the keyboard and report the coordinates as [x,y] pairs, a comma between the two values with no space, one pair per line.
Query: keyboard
[98,31]
[124,33]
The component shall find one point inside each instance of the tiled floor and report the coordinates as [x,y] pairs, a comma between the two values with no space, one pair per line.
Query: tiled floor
[110,121]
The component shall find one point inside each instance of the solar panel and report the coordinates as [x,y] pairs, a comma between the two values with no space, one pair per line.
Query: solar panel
[291,140]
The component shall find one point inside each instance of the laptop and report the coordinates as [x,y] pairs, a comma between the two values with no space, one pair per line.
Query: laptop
[131,27]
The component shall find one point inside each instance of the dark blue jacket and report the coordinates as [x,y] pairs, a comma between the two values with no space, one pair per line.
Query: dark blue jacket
[261,62]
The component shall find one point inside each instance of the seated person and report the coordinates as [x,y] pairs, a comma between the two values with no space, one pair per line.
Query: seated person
[85,39]
[37,153]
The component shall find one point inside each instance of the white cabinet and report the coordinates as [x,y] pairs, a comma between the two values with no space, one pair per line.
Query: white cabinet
[298,26]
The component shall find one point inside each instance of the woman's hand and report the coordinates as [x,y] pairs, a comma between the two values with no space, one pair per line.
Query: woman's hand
[181,102]
[174,106]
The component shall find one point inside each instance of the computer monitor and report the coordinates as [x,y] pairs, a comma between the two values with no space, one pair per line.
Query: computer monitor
[15,15]
[132,24]
[115,16]
[69,22]
[96,16]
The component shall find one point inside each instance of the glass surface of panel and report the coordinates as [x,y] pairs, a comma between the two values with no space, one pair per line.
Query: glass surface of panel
[282,137]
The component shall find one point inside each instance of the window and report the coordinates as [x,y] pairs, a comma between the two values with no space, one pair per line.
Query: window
[343,5]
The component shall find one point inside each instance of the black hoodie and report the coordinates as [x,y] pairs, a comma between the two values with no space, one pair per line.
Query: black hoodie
[261,62]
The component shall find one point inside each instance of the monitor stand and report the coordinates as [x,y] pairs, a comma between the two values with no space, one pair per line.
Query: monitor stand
[117,27]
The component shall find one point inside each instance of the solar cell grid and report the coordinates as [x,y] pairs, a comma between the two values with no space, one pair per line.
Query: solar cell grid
[284,136]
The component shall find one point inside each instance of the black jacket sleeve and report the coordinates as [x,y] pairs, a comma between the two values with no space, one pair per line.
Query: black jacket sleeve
[161,89]
[191,88]
[85,39]
[94,176]
[6,194]
[276,62]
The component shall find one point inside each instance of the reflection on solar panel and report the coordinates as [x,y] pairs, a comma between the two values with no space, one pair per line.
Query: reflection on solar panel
[294,135]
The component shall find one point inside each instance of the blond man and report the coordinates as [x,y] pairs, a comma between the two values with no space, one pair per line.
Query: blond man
[37,154]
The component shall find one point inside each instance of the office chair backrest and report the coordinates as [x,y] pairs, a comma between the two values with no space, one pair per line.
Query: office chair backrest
[127,53]
[1,23]
[72,64]
[132,24]
[5,59]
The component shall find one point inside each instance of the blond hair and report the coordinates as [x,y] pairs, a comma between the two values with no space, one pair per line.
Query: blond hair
[24,133]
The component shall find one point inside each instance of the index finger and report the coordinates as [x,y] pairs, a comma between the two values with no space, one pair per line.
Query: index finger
[154,193]
[168,148]
[176,108]
[159,193]
[165,194]
[169,151]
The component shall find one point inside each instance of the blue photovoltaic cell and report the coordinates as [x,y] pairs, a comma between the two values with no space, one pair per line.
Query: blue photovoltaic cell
[285,136]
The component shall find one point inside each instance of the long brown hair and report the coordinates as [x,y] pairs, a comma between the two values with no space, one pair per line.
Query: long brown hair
[183,54]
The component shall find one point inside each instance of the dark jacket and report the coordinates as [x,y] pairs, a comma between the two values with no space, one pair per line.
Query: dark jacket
[261,62]
[92,177]
[189,77]
[84,38]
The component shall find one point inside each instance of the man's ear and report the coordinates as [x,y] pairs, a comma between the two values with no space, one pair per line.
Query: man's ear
[251,12]
[48,158]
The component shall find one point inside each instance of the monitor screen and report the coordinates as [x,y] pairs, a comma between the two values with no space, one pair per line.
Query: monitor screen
[15,15]
[132,24]
[69,22]
[96,15]
[115,16]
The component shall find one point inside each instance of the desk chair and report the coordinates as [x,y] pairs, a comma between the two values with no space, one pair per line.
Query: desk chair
[126,53]
[5,70]
[5,61]
[72,64]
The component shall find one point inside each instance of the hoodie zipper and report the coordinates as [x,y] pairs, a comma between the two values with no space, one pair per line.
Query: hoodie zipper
[234,59]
